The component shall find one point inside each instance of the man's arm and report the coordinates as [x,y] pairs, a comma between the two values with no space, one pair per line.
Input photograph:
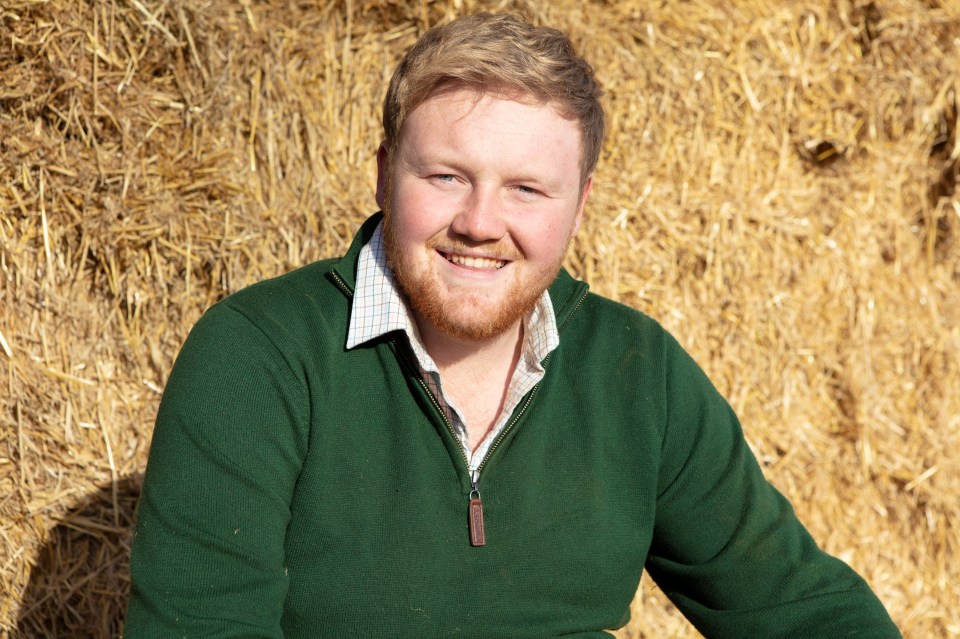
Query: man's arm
[728,549]
[208,556]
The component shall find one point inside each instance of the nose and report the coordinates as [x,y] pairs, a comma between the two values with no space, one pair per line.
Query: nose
[480,217]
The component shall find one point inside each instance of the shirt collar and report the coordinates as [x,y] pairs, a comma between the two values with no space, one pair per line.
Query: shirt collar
[379,307]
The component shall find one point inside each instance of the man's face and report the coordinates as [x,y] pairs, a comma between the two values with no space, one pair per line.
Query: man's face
[482,198]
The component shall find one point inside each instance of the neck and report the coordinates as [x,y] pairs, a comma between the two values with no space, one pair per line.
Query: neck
[475,374]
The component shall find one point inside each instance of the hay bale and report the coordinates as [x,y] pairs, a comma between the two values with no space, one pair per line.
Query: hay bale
[778,188]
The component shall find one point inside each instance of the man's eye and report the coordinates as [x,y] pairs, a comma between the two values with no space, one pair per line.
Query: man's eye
[526,190]
[444,177]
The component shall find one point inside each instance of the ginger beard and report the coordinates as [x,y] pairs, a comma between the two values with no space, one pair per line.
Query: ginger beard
[465,314]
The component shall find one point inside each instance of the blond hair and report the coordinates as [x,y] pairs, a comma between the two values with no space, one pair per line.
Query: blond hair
[499,53]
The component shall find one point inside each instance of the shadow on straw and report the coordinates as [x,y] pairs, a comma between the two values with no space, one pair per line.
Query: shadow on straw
[81,582]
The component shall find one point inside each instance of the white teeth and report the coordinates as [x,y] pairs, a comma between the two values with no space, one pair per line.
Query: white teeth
[475,262]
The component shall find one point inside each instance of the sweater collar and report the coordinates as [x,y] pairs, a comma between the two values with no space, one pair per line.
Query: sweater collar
[566,293]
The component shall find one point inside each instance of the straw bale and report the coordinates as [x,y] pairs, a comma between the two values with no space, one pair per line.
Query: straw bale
[778,188]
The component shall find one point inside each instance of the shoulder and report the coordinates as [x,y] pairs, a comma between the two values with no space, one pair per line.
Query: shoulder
[303,297]
[299,312]
[613,337]
[602,307]
[313,297]
[608,325]
[280,295]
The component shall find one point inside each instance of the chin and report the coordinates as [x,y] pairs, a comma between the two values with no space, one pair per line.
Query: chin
[467,319]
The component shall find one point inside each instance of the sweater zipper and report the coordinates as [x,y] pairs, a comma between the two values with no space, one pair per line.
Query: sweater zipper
[572,312]
[343,286]
[475,506]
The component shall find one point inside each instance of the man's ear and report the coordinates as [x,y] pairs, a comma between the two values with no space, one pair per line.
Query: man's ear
[583,203]
[383,166]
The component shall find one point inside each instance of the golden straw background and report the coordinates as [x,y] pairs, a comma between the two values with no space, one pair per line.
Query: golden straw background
[778,189]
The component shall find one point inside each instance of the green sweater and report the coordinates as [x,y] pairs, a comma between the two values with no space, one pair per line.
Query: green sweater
[298,489]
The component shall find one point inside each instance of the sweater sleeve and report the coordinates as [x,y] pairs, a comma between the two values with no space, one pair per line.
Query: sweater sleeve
[728,549]
[230,436]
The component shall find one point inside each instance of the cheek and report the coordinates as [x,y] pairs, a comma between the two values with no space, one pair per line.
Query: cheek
[405,217]
[543,242]
[419,212]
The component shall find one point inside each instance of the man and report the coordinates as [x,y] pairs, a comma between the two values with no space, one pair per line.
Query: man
[443,433]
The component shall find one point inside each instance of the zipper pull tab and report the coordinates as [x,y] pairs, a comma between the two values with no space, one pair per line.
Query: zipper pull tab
[477,537]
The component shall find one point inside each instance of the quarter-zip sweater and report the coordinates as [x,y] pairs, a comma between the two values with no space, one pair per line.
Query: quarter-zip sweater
[299,489]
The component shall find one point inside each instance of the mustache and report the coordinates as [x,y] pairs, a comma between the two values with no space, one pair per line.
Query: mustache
[495,250]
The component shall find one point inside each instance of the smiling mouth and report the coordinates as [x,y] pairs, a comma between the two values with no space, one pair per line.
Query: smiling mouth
[474,262]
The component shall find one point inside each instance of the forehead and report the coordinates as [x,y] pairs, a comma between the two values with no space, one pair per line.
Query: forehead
[492,125]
